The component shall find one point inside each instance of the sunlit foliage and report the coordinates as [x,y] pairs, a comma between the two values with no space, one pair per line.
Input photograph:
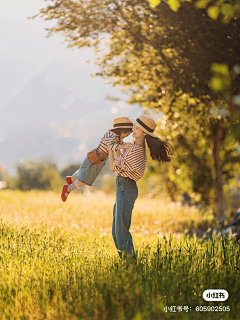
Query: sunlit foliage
[181,63]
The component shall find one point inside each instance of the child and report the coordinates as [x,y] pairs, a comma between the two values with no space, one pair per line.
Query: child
[95,160]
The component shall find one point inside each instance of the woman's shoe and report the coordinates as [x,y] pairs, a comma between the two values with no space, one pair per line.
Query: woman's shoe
[65,193]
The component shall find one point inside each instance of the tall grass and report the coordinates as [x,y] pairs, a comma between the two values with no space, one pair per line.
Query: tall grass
[54,267]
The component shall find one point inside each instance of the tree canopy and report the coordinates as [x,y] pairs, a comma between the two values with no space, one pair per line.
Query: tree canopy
[159,54]
[185,64]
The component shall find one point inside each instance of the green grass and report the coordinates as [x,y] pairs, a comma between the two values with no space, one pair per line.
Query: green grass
[51,269]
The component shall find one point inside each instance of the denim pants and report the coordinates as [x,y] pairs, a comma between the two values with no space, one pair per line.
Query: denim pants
[88,172]
[126,194]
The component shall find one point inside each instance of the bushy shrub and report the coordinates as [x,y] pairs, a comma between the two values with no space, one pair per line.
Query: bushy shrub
[38,175]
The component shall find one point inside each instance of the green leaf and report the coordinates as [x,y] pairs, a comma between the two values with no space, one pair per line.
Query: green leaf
[226,83]
[227,10]
[174,5]
[217,84]
[154,3]
[220,68]
[219,2]
[213,12]
[201,4]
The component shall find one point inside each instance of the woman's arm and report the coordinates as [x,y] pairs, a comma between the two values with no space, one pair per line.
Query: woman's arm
[118,153]
[111,159]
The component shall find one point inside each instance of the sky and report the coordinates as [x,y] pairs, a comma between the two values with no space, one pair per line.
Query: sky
[50,106]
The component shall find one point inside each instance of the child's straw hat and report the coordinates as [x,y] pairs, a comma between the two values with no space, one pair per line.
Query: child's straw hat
[146,124]
[122,122]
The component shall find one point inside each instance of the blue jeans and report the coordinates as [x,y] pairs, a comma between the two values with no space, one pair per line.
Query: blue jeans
[88,172]
[126,194]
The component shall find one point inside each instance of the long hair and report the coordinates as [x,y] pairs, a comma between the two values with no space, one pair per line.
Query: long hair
[161,151]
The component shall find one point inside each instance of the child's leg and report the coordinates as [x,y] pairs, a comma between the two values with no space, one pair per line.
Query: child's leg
[71,179]
[75,185]
[68,188]
[74,176]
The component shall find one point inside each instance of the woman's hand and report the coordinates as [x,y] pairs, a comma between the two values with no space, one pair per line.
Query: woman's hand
[122,146]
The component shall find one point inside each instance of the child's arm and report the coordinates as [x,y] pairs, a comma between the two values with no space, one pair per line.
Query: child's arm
[109,138]
[111,143]
[111,160]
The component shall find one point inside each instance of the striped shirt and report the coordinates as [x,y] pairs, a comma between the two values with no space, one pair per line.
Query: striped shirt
[111,141]
[132,163]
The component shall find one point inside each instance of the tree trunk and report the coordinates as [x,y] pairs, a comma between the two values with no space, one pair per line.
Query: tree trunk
[218,136]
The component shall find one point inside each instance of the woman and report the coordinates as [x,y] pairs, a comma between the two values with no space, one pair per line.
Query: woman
[129,168]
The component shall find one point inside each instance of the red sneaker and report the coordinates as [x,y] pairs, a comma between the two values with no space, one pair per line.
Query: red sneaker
[69,180]
[65,193]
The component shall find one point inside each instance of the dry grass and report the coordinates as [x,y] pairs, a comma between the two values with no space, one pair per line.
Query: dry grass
[92,213]
[58,261]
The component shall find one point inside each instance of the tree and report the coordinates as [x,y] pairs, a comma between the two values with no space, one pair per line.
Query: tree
[38,175]
[3,174]
[69,170]
[164,60]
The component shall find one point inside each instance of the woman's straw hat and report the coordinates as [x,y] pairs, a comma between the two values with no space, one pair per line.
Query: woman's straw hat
[146,124]
[122,122]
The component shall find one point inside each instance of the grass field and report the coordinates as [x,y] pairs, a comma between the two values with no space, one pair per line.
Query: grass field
[58,261]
